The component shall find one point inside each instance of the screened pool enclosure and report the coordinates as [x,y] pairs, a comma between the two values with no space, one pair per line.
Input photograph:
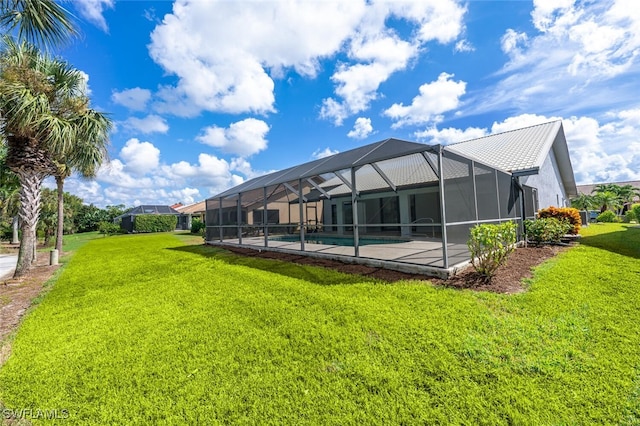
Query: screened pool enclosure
[395,204]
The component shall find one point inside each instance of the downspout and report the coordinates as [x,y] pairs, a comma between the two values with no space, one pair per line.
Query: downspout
[523,213]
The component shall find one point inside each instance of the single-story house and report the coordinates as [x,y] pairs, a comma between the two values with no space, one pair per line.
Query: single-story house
[127,220]
[398,204]
[190,212]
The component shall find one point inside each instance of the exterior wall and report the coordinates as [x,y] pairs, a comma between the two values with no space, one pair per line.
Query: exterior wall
[551,192]
[288,213]
[427,211]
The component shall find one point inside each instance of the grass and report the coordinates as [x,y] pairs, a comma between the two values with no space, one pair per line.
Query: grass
[145,329]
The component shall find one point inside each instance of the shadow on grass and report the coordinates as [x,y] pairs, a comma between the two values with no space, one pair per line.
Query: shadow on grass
[625,241]
[311,273]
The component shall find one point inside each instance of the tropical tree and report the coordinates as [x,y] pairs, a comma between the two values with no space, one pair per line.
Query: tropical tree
[608,200]
[9,194]
[41,22]
[44,112]
[48,215]
[624,194]
[83,155]
[584,202]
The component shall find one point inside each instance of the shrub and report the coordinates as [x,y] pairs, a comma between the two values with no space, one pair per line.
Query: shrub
[629,216]
[490,246]
[636,211]
[607,216]
[197,226]
[546,230]
[108,228]
[570,214]
[154,223]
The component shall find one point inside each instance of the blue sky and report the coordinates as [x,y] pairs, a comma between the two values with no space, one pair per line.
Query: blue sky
[206,94]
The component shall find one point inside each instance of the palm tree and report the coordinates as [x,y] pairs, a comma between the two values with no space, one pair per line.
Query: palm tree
[584,202]
[42,22]
[44,113]
[608,200]
[84,156]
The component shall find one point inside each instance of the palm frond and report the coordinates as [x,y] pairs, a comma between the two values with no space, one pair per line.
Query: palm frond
[42,22]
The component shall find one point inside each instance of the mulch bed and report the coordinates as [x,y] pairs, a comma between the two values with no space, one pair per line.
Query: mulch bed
[508,278]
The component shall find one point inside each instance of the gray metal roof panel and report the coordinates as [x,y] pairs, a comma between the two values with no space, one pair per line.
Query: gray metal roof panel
[514,150]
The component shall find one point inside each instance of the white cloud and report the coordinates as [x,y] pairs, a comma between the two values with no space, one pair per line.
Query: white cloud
[85,84]
[149,124]
[135,99]
[579,48]
[513,41]
[139,157]
[114,173]
[244,138]
[361,129]
[450,135]
[215,173]
[434,99]
[605,150]
[92,11]
[358,84]
[376,51]
[225,54]
[548,14]
[222,51]
[322,153]
[464,46]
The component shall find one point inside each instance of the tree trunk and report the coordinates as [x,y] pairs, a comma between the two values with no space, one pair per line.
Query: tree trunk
[31,183]
[14,225]
[60,232]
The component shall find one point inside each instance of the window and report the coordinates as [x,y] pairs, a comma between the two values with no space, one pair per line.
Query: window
[273,217]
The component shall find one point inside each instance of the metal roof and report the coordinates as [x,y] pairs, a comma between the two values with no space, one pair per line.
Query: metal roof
[149,209]
[521,149]
[198,207]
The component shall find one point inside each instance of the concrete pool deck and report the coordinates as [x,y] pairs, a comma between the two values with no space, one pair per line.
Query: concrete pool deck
[411,256]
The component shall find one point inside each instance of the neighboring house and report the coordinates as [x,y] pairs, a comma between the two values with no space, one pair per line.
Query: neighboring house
[190,212]
[127,220]
[398,204]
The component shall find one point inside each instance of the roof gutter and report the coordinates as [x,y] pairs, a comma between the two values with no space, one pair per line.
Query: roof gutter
[526,172]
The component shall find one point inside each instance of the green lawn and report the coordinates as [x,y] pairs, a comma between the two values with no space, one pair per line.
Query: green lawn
[149,330]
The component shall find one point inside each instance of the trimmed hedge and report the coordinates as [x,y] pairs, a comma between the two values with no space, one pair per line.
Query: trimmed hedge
[569,213]
[154,223]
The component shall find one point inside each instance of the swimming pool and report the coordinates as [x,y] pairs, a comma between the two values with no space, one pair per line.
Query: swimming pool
[334,240]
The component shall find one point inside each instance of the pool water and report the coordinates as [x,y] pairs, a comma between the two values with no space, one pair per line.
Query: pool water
[335,240]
